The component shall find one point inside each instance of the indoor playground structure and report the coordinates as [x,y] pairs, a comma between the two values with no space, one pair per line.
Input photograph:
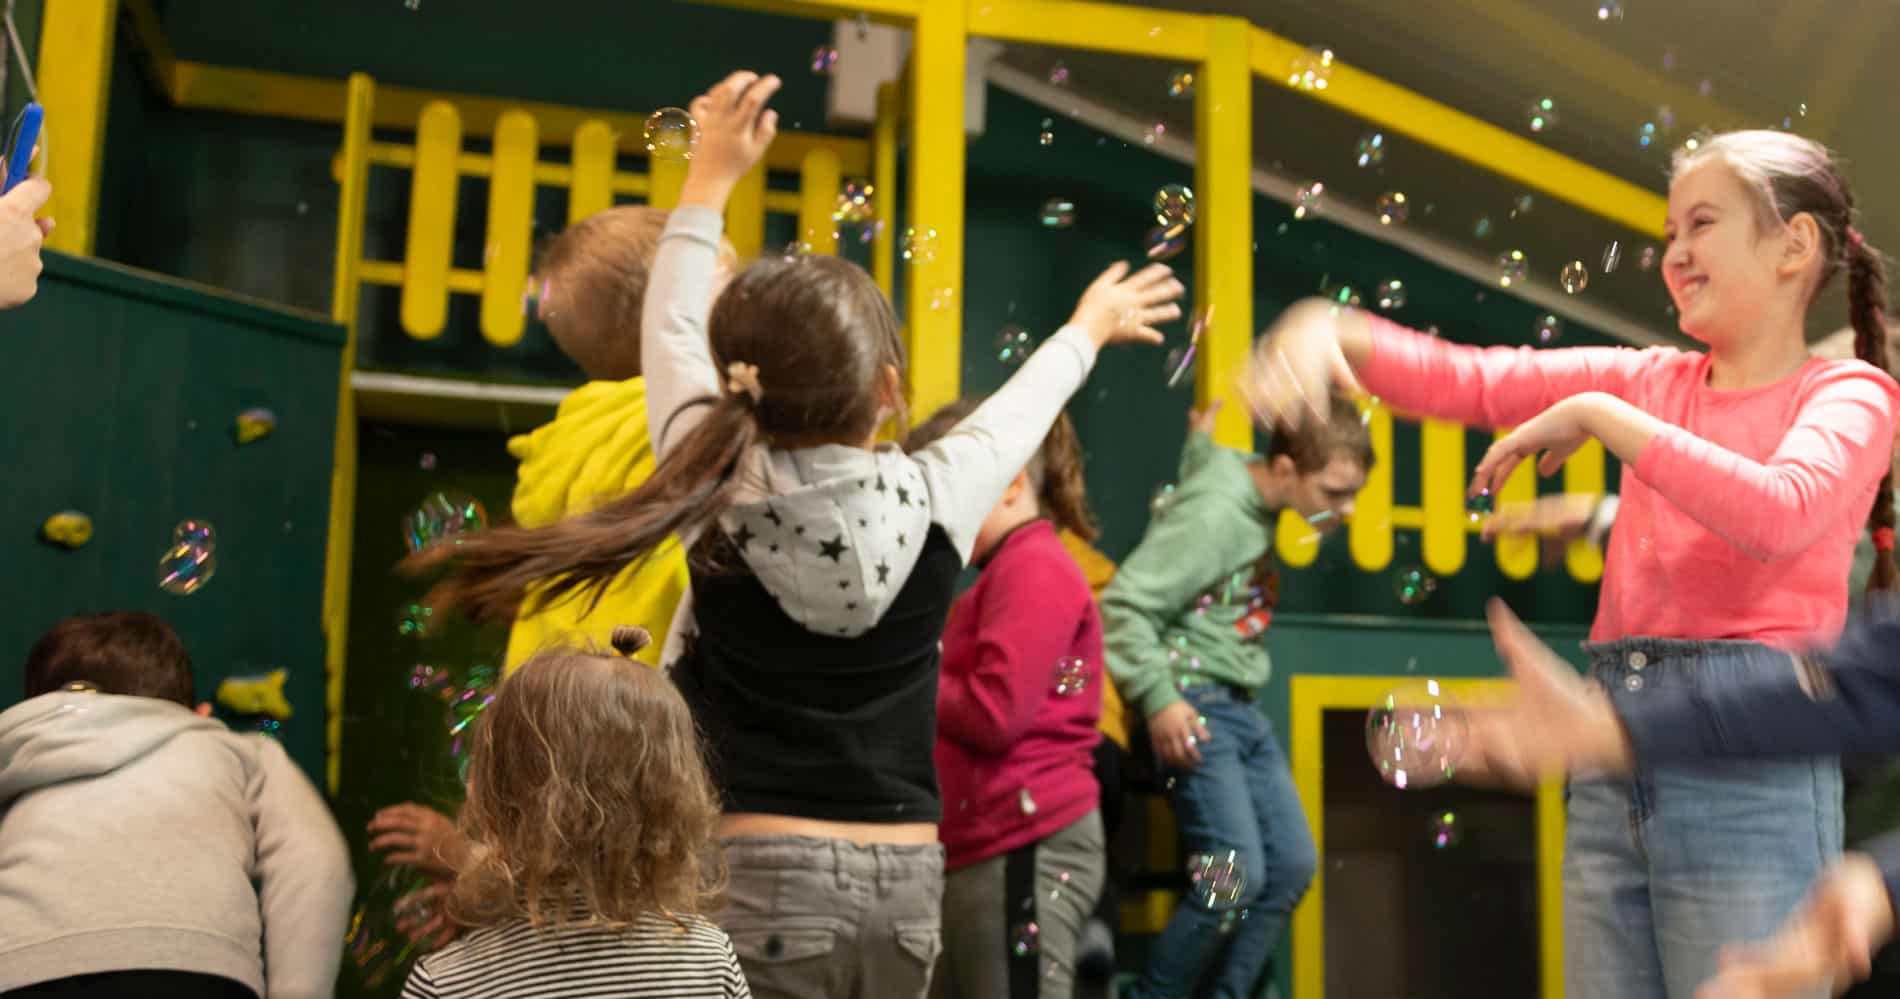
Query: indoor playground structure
[293,289]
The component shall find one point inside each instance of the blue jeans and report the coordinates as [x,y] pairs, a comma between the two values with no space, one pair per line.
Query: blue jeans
[1664,868]
[1240,798]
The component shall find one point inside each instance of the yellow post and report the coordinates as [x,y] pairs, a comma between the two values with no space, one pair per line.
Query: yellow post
[818,180]
[936,203]
[1223,231]
[1371,530]
[667,178]
[884,189]
[745,213]
[361,95]
[431,242]
[591,189]
[75,83]
[1517,553]
[1583,473]
[510,228]
[1442,494]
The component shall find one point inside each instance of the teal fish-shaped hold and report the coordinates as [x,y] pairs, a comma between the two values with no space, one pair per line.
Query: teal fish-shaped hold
[259,694]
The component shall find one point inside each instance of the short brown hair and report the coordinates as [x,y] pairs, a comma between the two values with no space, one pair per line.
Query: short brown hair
[596,274]
[124,652]
[1313,445]
[1055,470]
[586,786]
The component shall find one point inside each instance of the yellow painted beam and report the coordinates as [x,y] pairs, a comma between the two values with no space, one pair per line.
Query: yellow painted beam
[506,255]
[309,98]
[431,238]
[745,213]
[1516,554]
[1104,27]
[1370,533]
[1449,130]
[884,188]
[897,12]
[782,202]
[75,84]
[937,146]
[1550,888]
[1584,473]
[1223,232]
[1295,541]
[818,184]
[160,64]
[1442,494]
[591,189]
[359,100]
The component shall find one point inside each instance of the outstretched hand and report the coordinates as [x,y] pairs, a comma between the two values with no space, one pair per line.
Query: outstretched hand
[735,129]
[1297,365]
[1556,432]
[1119,307]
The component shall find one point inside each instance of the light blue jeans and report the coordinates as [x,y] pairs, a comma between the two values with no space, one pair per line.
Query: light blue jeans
[1239,801]
[1664,868]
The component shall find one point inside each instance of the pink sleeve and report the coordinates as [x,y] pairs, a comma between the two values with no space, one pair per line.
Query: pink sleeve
[1424,376]
[1841,440]
[1025,626]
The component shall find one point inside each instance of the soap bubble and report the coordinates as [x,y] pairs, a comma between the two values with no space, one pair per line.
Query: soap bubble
[195,532]
[1025,802]
[1390,295]
[1612,256]
[1574,277]
[1311,69]
[1392,208]
[1025,939]
[1045,137]
[426,461]
[854,204]
[918,244]
[1610,10]
[442,516]
[1059,74]
[1165,242]
[1371,149]
[1174,205]
[1415,735]
[1512,268]
[185,568]
[671,134]
[1309,199]
[1181,84]
[824,60]
[414,620]
[1216,880]
[1058,213]
[1013,344]
[1542,114]
[1548,328]
[1480,505]
[432,680]
[1415,585]
[1522,205]
[1447,830]
[1646,259]
[1162,498]
[1482,227]
[1181,359]
[1646,134]
[1072,675]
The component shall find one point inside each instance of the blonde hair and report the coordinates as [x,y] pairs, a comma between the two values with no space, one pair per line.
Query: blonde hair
[587,789]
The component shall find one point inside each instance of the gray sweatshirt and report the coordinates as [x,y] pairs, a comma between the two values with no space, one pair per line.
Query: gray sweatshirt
[135,834]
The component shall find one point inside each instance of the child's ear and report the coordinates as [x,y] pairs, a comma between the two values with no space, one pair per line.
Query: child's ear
[891,392]
[1804,243]
[203,710]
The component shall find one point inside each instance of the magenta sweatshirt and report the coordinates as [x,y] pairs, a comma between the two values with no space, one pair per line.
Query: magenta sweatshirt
[1015,753]
[1739,521]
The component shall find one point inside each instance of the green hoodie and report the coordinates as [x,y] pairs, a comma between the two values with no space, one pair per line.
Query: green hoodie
[1170,613]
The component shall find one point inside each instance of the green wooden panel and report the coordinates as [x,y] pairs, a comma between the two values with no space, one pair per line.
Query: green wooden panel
[126,388]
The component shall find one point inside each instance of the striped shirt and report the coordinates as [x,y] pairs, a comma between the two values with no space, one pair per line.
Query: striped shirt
[655,960]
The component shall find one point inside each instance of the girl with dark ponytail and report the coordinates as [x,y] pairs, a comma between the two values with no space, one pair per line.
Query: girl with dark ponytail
[822,565]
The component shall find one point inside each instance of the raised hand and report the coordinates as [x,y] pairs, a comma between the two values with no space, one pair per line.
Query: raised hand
[1119,306]
[418,836]
[1297,365]
[735,129]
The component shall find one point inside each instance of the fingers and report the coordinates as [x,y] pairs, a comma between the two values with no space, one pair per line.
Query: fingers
[729,90]
[752,100]
[29,197]
[1110,275]
[392,817]
[1344,378]
[46,226]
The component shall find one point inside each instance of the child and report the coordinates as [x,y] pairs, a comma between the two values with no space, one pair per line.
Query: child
[822,563]
[1746,471]
[147,850]
[593,282]
[589,821]
[1017,704]
[1183,615]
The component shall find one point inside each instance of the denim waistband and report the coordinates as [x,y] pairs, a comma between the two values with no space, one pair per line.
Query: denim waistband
[1619,649]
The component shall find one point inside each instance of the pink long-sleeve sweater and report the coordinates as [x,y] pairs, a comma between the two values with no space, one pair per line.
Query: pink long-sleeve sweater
[1738,521]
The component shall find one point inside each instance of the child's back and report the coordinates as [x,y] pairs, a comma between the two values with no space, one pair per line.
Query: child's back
[516,961]
[132,831]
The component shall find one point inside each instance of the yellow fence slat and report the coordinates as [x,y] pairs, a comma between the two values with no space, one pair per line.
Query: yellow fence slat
[818,180]
[1442,494]
[665,179]
[1295,540]
[1370,536]
[1517,553]
[884,188]
[431,241]
[745,213]
[1584,473]
[592,186]
[507,252]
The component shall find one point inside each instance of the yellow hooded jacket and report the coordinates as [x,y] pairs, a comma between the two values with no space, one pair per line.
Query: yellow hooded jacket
[1098,569]
[593,451]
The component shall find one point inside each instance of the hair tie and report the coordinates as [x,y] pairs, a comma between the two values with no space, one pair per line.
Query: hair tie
[1854,242]
[1883,539]
[630,638]
[744,378]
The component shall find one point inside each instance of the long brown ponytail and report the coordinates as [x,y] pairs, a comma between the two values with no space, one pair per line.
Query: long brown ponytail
[1867,311]
[817,341]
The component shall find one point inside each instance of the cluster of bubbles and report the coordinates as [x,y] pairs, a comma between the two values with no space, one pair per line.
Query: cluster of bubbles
[1058,213]
[443,516]
[1216,880]
[1161,499]
[1574,277]
[1072,676]
[1181,84]
[1014,344]
[1415,735]
[189,562]
[1311,69]
[1415,585]
[1542,114]
[1390,295]
[1309,199]
[1371,149]
[1446,830]
[1392,208]
[824,60]
[375,946]
[1513,267]
[1547,328]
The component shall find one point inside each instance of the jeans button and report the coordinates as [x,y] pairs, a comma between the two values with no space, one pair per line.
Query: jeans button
[1632,683]
[1638,660]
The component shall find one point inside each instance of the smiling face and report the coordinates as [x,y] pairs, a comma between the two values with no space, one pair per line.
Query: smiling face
[1724,266]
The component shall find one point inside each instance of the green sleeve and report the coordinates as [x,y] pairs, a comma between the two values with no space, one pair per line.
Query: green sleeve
[1194,454]
[1178,557]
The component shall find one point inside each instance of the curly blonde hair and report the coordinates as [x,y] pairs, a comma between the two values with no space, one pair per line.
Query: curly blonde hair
[587,792]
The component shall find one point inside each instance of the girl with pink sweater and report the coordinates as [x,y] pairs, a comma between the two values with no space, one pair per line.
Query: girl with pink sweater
[1748,471]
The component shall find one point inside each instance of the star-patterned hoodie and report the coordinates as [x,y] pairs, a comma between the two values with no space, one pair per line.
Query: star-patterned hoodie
[811,660]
